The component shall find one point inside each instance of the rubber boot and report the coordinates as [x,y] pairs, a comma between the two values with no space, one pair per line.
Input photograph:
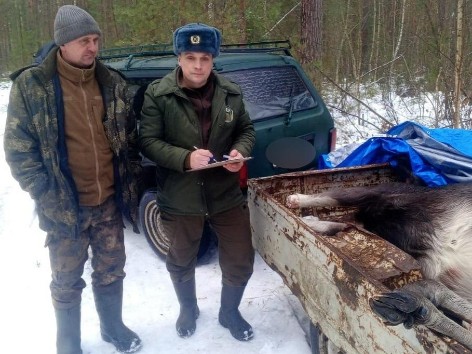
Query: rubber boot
[68,330]
[229,315]
[189,311]
[109,302]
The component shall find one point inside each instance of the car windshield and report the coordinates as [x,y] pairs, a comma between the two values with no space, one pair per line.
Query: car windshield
[272,91]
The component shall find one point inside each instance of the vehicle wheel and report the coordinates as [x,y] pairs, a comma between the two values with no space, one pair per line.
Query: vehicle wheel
[154,232]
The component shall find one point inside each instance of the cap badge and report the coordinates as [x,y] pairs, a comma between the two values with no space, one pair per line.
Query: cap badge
[195,39]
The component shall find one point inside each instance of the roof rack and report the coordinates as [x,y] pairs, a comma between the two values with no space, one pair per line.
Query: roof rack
[269,46]
[139,50]
[283,46]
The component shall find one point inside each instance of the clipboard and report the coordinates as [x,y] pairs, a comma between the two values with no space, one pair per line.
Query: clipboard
[220,163]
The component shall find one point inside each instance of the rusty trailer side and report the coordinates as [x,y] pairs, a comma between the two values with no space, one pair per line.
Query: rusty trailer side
[334,277]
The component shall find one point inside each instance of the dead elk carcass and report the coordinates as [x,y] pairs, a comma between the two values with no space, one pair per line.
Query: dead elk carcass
[434,225]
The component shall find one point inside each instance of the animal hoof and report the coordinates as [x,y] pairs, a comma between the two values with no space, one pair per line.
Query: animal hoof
[400,307]
[388,313]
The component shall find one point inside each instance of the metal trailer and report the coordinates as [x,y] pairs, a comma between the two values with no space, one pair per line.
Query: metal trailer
[334,276]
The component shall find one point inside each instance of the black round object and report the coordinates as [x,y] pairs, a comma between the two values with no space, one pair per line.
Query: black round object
[291,153]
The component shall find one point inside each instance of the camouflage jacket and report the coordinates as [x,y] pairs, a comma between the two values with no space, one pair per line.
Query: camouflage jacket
[35,146]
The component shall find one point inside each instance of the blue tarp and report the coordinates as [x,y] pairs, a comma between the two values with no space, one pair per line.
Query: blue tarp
[436,156]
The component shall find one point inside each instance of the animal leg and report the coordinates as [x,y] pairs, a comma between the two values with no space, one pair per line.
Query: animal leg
[443,298]
[418,303]
[324,227]
[310,200]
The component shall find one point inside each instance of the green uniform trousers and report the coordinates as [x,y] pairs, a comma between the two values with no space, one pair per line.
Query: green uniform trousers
[235,250]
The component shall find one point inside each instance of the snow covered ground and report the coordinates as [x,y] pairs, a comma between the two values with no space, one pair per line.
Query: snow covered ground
[150,306]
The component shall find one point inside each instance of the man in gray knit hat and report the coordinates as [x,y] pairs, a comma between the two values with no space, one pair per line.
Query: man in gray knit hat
[70,143]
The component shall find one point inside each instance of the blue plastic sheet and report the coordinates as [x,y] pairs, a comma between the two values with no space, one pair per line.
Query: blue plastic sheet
[436,156]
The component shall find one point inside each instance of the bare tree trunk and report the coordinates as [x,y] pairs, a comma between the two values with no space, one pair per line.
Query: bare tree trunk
[458,65]
[20,32]
[375,37]
[345,36]
[311,30]
[242,21]
[211,10]
[396,48]
[107,25]
[400,30]
[114,32]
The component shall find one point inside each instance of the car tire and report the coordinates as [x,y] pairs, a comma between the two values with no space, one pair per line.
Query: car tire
[156,236]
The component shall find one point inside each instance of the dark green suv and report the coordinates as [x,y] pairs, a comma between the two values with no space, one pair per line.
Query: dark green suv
[293,126]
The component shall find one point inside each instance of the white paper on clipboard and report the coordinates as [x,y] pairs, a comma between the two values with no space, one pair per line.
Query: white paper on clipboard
[220,163]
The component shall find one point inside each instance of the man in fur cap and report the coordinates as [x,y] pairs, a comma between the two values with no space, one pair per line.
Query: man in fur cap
[190,118]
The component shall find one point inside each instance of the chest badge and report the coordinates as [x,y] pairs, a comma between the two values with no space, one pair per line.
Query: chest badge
[228,115]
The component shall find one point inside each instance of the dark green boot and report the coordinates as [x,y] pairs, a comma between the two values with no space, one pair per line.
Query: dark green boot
[229,315]
[68,330]
[189,311]
[109,301]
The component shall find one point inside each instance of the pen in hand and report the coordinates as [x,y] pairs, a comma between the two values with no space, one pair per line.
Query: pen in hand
[212,159]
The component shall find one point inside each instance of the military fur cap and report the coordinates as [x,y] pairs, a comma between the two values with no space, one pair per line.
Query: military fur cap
[197,37]
[72,22]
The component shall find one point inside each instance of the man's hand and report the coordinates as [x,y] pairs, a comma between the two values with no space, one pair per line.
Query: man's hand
[200,158]
[234,167]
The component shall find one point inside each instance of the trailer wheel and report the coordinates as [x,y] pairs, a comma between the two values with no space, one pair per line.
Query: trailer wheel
[154,231]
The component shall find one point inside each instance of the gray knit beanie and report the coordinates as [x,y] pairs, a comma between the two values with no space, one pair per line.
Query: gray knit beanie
[71,23]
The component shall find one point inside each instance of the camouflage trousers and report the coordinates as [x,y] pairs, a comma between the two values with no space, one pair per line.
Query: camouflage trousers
[235,250]
[101,228]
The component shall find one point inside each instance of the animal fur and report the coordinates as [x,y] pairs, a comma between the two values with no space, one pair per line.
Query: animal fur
[434,225]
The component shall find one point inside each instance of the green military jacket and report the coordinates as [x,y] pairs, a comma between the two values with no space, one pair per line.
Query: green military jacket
[169,130]
[35,148]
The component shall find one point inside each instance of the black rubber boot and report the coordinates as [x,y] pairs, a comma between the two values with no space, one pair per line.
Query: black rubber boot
[68,330]
[229,315]
[109,301]
[189,311]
